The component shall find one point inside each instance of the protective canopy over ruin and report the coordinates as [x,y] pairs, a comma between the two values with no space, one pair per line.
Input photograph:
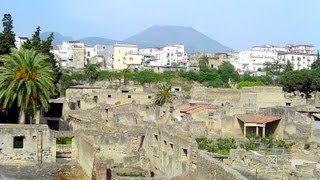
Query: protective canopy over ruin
[258,122]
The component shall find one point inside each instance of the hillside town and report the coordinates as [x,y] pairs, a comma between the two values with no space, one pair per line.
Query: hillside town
[75,54]
[74,111]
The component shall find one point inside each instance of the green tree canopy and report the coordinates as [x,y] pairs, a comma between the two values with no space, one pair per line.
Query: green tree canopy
[203,63]
[227,72]
[26,79]
[7,36]
[91,72]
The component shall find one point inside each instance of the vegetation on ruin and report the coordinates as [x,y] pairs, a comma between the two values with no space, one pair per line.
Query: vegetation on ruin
[64,140]
[255,143]
[164,94]
[27,80]
[264,143]
[219,146]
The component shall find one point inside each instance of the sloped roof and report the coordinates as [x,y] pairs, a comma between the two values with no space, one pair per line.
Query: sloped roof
[258,118]
[197,108]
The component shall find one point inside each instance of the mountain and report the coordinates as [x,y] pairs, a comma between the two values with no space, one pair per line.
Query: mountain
[193,40]
[58,38]
[97,40]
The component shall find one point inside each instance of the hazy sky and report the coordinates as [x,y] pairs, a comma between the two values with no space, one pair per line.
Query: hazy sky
[238,24]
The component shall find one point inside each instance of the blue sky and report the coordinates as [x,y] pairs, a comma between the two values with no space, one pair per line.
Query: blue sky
[238,24]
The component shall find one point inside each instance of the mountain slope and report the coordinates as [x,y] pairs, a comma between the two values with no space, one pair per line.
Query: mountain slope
[58,38]
[193,40]
[97,40]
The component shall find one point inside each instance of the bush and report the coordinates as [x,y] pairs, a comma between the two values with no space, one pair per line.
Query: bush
[220,146]
[242,84]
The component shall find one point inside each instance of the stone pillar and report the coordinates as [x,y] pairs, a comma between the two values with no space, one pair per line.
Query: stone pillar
[244,130]
[257,130]
[264,131]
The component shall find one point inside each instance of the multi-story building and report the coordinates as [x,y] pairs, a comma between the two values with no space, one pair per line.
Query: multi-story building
[19,40]
[301,56]
[171,55]
[105,51]
[71,54]
[124,55]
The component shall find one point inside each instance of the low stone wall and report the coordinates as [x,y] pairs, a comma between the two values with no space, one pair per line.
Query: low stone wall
[26,144]
[210,168]
[86,154]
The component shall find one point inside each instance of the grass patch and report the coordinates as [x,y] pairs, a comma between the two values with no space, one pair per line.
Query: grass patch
[64,140]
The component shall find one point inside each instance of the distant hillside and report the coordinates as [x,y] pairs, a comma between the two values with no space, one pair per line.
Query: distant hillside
[58,38]
[98,40]
[193,40]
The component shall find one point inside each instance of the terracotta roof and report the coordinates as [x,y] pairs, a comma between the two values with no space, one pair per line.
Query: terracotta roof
[258,118]
[197,108]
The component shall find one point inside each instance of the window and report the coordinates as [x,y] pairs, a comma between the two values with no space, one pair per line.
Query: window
[156,137]
[149,97]
[131,58]
[18,142]
[79,104]
[184,153]
[109,95]
[129,96]
[88,53]
[288,104]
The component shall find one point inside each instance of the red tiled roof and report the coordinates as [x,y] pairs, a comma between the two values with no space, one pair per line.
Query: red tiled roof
[258,118]
[197,108]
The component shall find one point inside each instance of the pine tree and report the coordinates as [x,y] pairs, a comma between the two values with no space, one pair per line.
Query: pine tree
[7,36]
[44,47]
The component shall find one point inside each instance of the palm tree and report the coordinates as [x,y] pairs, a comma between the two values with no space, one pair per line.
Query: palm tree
[164,94]
[27,80]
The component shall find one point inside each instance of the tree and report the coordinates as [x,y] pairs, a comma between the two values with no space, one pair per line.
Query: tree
[91,72]
[164,95]
[227,72]
[316,63]
[27,80]
[44,47]
[7,36]
[288,67]
[274,68]
[298,81]
[203,62]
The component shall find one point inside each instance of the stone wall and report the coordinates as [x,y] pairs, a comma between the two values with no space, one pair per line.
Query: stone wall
[87,151]
[26,144]
[210,168]
[169,152]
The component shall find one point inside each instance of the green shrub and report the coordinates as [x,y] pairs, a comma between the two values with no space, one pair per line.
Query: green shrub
[220,146]
[64,140]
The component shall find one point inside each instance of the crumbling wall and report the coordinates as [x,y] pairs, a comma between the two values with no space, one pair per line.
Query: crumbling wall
[37,145]
[210,168]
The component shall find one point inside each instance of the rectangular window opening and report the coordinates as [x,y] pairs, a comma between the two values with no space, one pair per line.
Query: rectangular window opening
[18,142]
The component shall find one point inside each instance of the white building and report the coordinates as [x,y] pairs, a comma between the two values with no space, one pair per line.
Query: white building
[19,41]
[253,60]
[301,56]
[166,56]
[71,54]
